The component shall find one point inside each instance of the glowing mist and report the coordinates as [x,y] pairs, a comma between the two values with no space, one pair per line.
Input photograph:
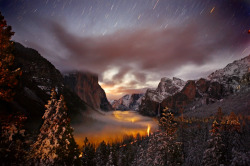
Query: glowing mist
[113,126]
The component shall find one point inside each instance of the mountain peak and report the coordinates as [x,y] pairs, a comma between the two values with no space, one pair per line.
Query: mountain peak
[128,102]
[237,68]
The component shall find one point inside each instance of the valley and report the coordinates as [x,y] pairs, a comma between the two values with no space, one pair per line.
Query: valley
[113,127]
[99,90]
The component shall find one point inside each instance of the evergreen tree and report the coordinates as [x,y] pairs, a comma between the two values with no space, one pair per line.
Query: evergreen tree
[157,149]
[233,137]
[115,153]
[167,123]
[12,142]
[195,144]
[240,158]
[215,152]
[163,148]
[8,75]
[110,159]
[55,144]
[102,153]
[67,150]
[88,154]
[140,155]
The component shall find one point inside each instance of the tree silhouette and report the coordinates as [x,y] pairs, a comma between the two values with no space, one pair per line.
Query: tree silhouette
[8,75]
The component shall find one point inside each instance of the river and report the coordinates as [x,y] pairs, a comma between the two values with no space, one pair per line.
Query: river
[112,126]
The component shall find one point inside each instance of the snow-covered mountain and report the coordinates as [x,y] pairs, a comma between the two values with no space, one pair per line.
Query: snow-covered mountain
[167,87]
[178,95]
[128,102]
[237,68]
[232,74]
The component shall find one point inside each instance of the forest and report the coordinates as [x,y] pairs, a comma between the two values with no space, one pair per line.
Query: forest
[220,139]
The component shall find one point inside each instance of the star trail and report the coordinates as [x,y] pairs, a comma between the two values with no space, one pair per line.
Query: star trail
[131,44]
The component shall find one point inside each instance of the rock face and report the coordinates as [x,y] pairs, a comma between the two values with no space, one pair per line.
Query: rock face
[231,75]
[148,106]
[195,93]
[38,78]
[167,87]
[86,86]
[150,103]
[128,102]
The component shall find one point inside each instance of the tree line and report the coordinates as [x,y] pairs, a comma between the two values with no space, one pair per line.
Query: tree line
[219,140]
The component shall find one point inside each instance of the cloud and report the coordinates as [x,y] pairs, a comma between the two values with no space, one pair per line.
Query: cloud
[137,53]
[148,49]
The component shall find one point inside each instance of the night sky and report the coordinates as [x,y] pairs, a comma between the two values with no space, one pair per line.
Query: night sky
[131,44]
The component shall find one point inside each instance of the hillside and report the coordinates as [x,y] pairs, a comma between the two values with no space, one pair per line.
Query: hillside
[38,78]
[233,79]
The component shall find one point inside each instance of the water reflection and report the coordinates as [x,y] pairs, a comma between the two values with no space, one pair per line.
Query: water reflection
[112,126]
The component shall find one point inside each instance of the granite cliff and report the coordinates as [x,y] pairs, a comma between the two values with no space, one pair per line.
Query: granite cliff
[128,102]
[86,86]
[234,78]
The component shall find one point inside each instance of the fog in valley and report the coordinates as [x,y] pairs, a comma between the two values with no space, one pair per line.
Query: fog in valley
[113,126]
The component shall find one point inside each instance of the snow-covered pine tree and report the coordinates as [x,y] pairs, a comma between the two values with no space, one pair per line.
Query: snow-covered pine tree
[110,159]
[215,152]
[237,153]
[115,152]
[55,144]
[163,148]
[67,150]
[157,149]
[102,153]
[140,155]
[43,150]
[240,158]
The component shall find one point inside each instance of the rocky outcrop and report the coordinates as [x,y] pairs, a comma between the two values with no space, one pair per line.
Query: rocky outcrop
[231,75]
[233,78]
[148,106]
[86,86]
[189,90]
[199,92]
[152,99]
[38,78]
[167,87]
[128,102]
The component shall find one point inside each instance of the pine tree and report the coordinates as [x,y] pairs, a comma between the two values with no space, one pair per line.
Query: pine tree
[12,143]
[55,144]
[233,136]
[140,155]
[240,158]
[8,75]
[215,152]
[88,154]
[167,123]
[67,150]
[163,148]
[102,154]
[110,159]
